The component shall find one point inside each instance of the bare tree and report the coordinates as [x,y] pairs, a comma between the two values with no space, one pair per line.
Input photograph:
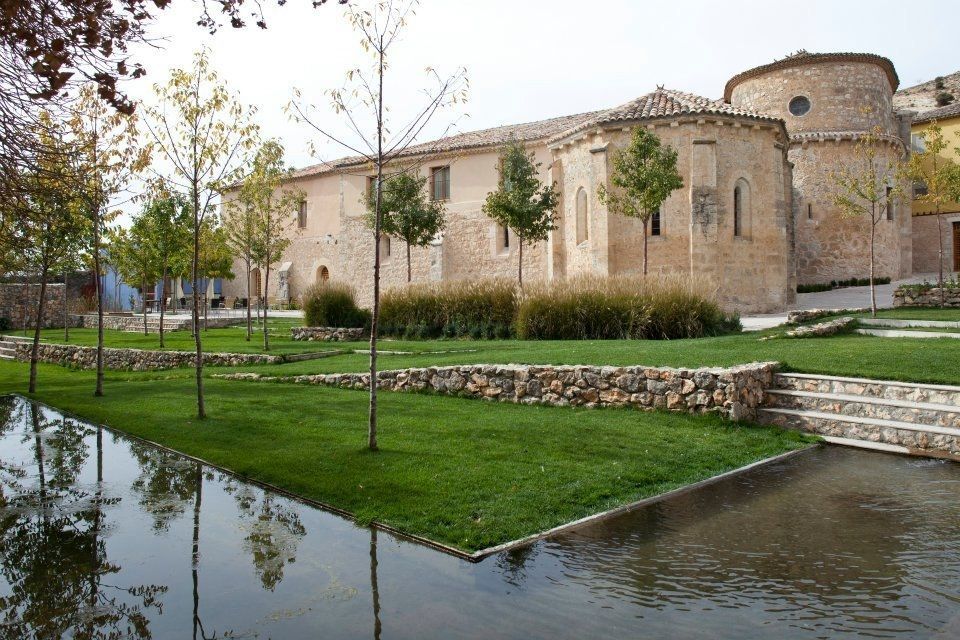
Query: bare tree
[363,107]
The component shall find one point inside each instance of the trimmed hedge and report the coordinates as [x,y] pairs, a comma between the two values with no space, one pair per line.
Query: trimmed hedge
[839,284]
[333,304]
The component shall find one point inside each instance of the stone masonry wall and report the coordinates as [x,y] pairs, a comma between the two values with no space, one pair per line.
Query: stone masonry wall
[736,392]
[135,359]
[911,297]
[926,242]
[18,303]
[326,334]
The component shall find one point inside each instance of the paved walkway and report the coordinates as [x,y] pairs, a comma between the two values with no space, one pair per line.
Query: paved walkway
[845,298]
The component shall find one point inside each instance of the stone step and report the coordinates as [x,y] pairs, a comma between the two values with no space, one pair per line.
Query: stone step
[905,333]
[868,388]
[10,338]
[918,439]
[904,324]
[940,414]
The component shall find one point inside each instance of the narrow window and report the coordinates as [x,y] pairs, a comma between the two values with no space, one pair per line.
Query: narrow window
[809,211]
[583,230]
[371,187]
[737,211]
[889,203]
[656,223]
[302,215]
[384,247]
[506,237]
[440,183]
[323,274]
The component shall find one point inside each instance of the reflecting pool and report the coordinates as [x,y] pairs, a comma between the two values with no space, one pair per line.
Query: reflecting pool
[102,536]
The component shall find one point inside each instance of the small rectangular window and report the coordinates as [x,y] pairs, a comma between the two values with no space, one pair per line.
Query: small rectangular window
[440,183]
[889,203]
[919,189]
[302,215]
[918,142]
[655,224]
[809,211]
[371,186]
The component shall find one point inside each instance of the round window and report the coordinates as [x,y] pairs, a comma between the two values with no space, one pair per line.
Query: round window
[800,105]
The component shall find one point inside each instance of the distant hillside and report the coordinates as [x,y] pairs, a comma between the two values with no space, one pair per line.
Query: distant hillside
[923,97]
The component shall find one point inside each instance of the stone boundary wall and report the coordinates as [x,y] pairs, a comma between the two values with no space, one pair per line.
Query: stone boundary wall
[327,334]
[134,323]
[736,392]
[912,297]
[18,303]
[81,357]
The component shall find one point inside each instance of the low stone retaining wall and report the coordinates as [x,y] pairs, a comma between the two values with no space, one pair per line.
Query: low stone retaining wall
[736,392]
[923,297]
[805,315]
[134,323]
[326,334]
[822,329]
[135,359]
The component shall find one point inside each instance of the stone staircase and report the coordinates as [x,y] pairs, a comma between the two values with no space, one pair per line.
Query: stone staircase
[8,346]
[918,419]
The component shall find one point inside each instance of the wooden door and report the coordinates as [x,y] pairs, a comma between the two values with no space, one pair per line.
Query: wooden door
[956,246]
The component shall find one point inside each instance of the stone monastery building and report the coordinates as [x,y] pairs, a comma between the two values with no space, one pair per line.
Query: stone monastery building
[754,218]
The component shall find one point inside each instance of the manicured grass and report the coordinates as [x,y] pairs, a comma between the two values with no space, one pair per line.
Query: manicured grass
[917,313]
[932,361]
[462,472]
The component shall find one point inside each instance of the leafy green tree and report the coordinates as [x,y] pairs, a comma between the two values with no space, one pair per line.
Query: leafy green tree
[406,212]
[215,258]
[201,134]
[131,254]
[52,226]
[522,202]
[167,220]
[941,177]
[240,224]
[644,175]
[272,206]
[868,187]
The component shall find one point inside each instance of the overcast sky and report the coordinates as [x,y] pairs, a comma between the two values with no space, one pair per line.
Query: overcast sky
[534,59]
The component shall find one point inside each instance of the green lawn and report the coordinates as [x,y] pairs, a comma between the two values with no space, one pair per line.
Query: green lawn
[461,472]
[916,313]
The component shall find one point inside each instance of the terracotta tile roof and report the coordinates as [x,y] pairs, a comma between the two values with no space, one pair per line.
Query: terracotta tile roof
[943,113]
[805,57]
[662,103]
[525,132]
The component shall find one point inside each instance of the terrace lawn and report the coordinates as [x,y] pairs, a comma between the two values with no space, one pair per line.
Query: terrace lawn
[465,473]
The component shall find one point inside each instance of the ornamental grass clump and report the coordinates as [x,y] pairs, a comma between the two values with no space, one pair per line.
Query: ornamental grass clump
[617,308]
[451,309]
[333,304]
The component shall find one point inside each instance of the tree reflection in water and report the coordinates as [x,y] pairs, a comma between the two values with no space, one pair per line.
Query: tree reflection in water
[52,528]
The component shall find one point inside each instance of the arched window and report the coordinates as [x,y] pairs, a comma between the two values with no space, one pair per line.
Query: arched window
[741,209]
[656,223]
[583,228]
[323,275]
[256,284]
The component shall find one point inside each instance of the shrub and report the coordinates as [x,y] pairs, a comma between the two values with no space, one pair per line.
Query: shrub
[944,98]
[333,304]
[620,308]
[451,309]
[837,284]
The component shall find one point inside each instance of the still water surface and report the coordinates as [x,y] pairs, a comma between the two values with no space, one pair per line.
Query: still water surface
[104,537]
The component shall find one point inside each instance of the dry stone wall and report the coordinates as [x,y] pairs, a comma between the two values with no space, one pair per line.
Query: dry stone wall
[79,357]
[326,334]
[18,303]
[736,392]
[914,297]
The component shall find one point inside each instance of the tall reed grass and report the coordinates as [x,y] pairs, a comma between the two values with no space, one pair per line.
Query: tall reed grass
[333,304]
[583,308]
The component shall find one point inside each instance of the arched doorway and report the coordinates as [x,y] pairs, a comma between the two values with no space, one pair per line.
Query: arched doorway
[323,275]
[256,284]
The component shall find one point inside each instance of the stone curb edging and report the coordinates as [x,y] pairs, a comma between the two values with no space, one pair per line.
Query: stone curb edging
[734,392]
[633,506]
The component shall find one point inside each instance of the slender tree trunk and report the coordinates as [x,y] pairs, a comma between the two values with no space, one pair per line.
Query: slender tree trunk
[873,288]
[266,308]
[143,288]
[409,270]
[520,263]
[98,392]
[943,294]
[66,308]
[378,223]
[249,319]
[163,300]
[201,409]
[645,223]
[35,351]
[195,552]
